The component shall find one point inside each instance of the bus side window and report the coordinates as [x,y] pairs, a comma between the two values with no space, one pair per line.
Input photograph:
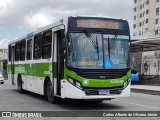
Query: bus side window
[22,50]
[29,49]
[47,44]
[37,46]
[17,51]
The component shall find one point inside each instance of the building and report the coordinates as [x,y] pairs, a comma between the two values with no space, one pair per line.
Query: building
[146,18]
[3,54]
[3,61]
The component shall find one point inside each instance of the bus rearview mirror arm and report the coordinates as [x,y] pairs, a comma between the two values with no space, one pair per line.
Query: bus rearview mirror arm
[64,47]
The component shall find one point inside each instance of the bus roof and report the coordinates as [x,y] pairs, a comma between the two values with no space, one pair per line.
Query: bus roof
[62,22]
[38,30]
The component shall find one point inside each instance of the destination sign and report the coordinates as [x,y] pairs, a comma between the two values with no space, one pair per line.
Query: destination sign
[97,23]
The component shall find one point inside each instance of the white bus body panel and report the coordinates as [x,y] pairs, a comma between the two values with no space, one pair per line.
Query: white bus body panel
[70,91]
[31,83]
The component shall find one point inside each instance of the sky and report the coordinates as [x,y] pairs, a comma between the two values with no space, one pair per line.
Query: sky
[20,17]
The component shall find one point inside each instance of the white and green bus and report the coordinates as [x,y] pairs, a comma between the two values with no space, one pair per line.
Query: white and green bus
[78,58]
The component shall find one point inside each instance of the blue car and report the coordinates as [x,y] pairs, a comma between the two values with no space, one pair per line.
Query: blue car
[134,77]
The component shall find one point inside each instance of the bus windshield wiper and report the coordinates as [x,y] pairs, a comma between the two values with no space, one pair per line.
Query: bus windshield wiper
[94,43]
[97,47]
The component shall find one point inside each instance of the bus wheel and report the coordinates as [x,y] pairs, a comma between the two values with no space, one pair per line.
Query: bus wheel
[19,84]
[50,96]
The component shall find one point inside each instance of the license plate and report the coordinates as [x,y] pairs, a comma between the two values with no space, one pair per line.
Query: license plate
[103,92]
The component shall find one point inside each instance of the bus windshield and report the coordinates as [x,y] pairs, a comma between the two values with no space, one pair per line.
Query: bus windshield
[97,51]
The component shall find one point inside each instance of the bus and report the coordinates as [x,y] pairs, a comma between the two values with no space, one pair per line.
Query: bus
[79,57]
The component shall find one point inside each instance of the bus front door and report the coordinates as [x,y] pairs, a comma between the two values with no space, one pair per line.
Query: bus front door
[59,35]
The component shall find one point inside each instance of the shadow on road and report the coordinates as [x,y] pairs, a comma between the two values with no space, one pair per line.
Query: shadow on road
[70,104]
[90,105]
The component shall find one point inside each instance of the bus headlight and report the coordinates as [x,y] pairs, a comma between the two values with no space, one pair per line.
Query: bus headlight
[75,83]
[125,84]
[78,84]
[70,80]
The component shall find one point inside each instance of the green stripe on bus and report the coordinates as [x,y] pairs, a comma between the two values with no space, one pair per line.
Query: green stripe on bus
[34,69]
[97,83]
[46,69]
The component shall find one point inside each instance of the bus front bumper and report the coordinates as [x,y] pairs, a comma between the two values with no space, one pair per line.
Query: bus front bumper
[70,91]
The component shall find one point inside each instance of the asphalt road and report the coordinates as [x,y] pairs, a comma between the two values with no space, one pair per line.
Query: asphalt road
[12,100]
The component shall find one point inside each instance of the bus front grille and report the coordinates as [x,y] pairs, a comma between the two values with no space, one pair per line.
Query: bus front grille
[91,92]
[96,91]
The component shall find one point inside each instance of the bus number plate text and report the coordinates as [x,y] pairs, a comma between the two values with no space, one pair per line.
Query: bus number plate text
[103,92]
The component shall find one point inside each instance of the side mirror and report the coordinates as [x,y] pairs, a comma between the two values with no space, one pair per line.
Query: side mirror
[64,48]
[64,44]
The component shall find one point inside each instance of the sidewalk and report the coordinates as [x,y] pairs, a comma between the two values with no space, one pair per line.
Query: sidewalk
[146,89]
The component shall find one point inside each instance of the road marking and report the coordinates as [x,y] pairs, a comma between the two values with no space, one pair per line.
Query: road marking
[137,104]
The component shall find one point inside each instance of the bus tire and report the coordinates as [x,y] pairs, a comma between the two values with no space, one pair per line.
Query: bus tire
[50,93]
[19,84]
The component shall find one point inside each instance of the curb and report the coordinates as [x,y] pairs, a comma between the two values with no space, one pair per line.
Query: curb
[145,91]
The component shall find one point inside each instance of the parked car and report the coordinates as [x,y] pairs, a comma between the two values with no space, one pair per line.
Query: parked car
[1,78]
